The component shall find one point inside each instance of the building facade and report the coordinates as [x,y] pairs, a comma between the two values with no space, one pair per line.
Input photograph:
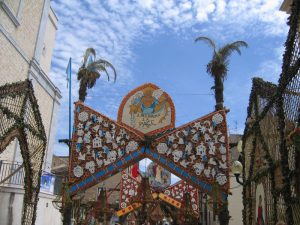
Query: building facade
[27,36]
[271,146]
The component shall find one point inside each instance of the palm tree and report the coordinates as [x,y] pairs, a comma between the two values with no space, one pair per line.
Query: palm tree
[218,65]
[91,70]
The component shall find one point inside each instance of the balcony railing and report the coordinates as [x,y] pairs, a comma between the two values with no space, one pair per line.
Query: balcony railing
[12,175]
[6,169]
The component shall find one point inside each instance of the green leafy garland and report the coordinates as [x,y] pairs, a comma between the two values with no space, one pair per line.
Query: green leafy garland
[19,130]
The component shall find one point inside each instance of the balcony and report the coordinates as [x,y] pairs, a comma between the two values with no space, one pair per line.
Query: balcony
[7,169]
[12,175]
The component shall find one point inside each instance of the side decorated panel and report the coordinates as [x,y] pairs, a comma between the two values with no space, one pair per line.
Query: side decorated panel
[196,152]
[100,147]
[177,190]
[128,189]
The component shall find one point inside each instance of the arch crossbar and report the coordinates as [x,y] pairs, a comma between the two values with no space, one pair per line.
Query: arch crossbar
[196,152]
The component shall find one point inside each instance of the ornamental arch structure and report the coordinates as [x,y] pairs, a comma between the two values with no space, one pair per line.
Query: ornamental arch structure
[271,146]
[196,152]
[20,119]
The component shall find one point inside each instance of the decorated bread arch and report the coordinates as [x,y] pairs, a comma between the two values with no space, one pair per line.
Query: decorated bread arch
[196,152]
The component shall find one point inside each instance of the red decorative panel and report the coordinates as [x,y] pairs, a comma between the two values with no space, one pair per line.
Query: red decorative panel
[129,188]
[177,190]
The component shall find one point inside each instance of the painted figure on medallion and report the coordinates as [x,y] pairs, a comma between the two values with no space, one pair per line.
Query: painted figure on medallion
[147,109]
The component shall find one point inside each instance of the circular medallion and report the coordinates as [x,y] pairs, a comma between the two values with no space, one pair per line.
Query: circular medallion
[83,116]
[217,118]
[167,192]
[78,171]
[123,205]
[194,206]
[131,146]
[125,176]
[148,110]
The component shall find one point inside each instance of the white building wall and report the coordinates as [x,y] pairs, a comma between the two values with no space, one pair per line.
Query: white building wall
[22,57]
[48,43]
[6,155]
[27,36]
[12,205]
[46,213]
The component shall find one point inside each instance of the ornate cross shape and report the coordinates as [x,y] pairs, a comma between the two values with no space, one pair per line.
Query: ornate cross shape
[196,152]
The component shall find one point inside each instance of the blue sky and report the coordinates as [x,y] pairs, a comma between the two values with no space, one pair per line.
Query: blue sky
[153,41]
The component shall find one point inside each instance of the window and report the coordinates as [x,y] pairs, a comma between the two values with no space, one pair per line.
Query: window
[13,9]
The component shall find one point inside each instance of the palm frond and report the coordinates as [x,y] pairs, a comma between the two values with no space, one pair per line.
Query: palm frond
[210,42]
[209,68]
[240,44]
[99,67]
[87,53]
[108,64]
[228,49]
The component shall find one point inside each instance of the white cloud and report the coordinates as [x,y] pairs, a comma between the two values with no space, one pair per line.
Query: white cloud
[260,17]
[220,8]
[185,5]
[270,70]
[146,3]
[204,9]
